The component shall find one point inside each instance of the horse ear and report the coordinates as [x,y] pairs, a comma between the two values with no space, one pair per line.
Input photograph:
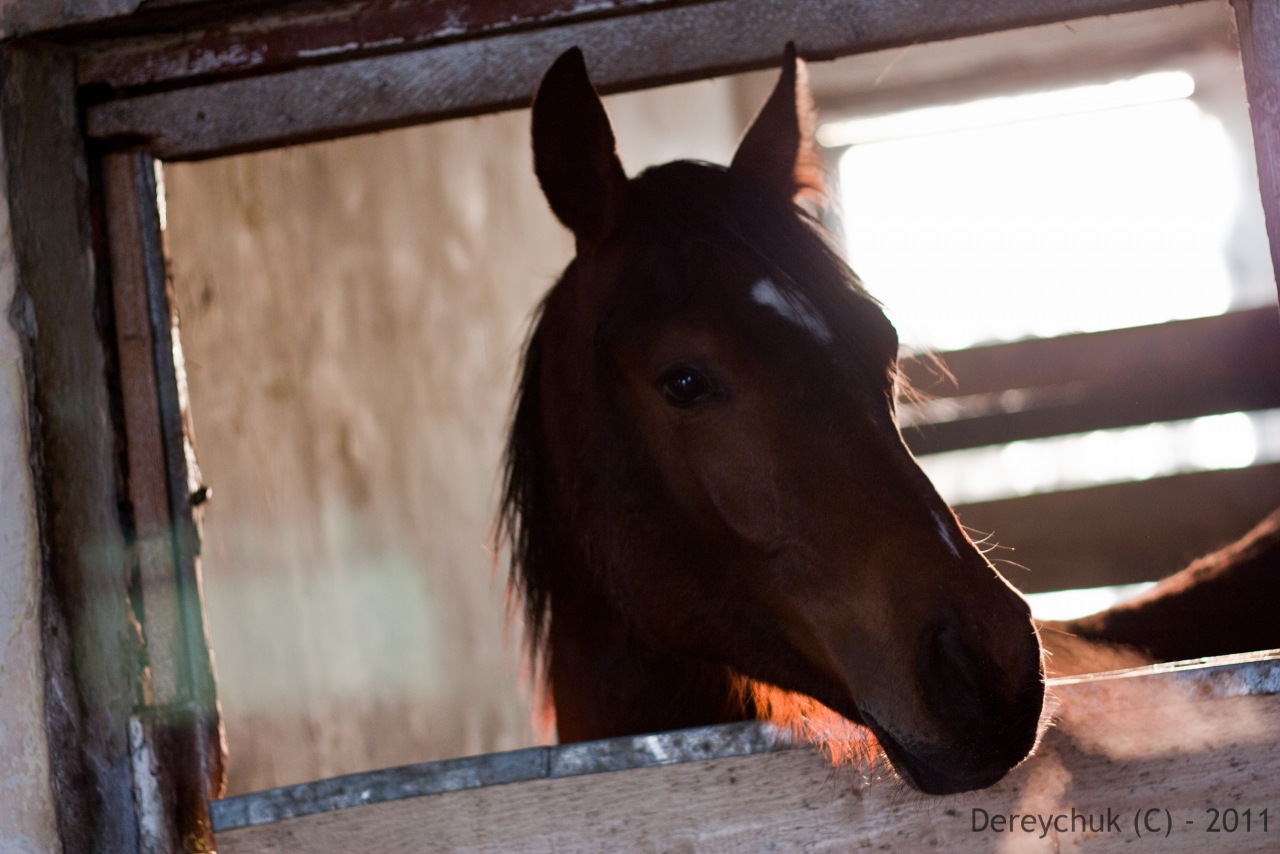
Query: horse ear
[778,149]
[573,150]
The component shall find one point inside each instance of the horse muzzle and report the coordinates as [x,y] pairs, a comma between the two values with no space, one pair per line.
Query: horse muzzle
[985,710]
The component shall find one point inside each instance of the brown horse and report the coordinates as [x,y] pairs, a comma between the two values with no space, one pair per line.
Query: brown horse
[707,495]
[1223,603]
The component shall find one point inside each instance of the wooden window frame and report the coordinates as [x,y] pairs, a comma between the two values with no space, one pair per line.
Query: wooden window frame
[87,110]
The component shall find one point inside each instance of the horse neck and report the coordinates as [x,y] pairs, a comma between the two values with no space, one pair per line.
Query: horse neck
[607,681]
[1221,604]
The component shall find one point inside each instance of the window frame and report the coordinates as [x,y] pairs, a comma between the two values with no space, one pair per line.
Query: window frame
[135,740]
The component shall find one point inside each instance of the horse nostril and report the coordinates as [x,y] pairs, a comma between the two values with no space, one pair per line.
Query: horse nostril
[952,676]
[984,691]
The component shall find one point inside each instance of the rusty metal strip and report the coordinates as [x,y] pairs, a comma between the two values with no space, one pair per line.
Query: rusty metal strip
[496,769]
[644,48]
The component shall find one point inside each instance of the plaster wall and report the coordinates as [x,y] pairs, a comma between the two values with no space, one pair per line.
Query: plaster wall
[28,820]
[352,315]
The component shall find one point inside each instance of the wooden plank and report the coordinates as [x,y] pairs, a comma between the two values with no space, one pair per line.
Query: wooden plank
[648,48]
[535,763]
[1258,22]
[1141,754]
[1120,533]
[1075,383]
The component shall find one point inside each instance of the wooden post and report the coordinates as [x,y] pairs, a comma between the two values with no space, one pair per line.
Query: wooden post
[89,647]
[176,748]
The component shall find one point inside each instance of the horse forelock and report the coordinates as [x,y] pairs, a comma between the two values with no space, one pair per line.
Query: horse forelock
[689,202]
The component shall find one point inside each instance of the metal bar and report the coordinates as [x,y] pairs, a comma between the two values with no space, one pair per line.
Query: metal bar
[664,45]
[182,474]
[1259,24]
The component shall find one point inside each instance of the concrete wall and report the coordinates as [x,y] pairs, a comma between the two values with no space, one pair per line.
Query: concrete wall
[27,812]
[352,314]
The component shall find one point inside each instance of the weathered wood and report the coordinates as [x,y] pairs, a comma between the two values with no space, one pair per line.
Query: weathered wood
[259,40]
[1259,25]
[147,479]
[1120,533]
[89,642]
[495,769]
[1144,753]
[647,48]
[1093,381]
[180,735]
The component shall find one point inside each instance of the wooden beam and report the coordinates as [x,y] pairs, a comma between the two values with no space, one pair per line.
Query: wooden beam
[648,47]
[90,648]
[1168,752]
[1259,24]
[259,40]
[1120,533]
[1085,382]
[147,479]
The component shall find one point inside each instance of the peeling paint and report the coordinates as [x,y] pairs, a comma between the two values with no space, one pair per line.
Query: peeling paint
[328,50]
[209,61]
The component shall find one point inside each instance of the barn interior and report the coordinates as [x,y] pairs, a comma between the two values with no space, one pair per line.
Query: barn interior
[268,267]
[352,312]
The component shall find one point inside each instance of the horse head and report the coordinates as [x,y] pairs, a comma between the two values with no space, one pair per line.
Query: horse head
[705,448]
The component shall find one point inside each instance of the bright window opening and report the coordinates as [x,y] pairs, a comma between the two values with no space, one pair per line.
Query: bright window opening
[1073,604]
[1211,443]
[1077,210]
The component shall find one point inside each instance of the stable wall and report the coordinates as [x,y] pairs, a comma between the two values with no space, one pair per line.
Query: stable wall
[27,809]
[351,315]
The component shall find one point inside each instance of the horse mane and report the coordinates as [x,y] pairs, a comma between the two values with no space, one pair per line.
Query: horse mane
[683,200]
[523,482]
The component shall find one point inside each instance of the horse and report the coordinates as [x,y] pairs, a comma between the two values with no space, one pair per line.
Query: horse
[711,513]
[709,507]
[1220,604]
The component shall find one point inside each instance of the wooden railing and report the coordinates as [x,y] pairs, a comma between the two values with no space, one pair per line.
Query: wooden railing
[1094,381]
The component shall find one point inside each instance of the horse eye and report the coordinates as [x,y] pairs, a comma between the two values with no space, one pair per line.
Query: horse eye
[684,387]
